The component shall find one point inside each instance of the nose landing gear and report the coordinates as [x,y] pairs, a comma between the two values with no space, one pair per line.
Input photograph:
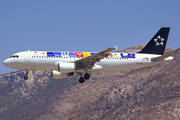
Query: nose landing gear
[26,77]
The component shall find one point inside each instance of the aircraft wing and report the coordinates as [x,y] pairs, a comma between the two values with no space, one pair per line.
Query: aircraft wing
[162,57]
[88,62]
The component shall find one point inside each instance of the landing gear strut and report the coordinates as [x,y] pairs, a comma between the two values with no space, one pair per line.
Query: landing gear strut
[26,77]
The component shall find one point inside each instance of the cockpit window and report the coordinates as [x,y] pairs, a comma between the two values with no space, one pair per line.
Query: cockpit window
[14,56]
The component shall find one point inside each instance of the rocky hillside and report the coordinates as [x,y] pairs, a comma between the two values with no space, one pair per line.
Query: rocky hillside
[148,93]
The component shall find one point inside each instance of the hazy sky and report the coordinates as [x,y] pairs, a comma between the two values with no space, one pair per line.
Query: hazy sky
[83,25]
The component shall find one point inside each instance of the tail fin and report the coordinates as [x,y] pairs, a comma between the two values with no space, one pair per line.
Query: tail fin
[158,43]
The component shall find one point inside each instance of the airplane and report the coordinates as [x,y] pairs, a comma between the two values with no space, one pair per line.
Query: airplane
[63,64]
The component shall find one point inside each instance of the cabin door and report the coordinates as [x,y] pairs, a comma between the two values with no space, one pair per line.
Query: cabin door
[27,56]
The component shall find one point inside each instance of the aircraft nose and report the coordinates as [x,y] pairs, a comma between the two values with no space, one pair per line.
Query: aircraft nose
[6,63]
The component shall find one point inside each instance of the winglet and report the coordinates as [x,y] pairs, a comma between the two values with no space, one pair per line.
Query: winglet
[116,47]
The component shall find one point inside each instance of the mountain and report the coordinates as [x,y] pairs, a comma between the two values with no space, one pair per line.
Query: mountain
[148,93]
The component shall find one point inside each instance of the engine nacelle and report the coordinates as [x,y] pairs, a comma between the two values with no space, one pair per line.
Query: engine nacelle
[64,67]
[58,75]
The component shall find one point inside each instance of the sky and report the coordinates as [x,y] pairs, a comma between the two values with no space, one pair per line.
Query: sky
[83,25]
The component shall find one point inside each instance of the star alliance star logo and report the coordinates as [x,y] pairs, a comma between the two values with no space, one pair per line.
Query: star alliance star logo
[159,41]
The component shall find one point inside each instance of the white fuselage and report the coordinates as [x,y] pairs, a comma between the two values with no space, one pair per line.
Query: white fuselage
[42,60]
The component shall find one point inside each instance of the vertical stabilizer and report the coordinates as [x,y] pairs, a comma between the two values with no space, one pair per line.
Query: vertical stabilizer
[158,43]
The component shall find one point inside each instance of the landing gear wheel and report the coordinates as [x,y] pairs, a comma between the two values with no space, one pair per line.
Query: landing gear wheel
[26,77]
[81,80]
[87,76]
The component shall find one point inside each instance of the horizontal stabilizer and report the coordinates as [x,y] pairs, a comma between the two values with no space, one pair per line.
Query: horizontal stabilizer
[162,57]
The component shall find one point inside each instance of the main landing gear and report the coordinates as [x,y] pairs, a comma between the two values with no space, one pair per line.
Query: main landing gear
[26,77]
[81,80]
[86,76]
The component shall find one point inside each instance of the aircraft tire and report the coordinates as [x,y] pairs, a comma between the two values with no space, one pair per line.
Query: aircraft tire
[81,80]
[87,76]
[26,77]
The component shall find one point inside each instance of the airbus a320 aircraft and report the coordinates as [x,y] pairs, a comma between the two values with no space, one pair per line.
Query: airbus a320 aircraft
[64,64]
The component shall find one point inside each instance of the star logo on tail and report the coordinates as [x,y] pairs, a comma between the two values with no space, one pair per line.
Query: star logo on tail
[159,41]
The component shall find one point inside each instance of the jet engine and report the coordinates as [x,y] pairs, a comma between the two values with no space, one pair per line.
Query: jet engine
[58,75]
[66,67]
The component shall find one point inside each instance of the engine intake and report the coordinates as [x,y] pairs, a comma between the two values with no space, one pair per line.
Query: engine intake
[66,67]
